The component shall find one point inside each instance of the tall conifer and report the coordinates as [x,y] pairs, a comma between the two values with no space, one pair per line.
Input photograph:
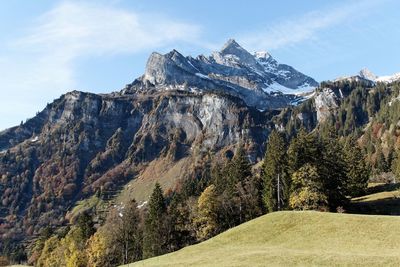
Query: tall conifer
[154,230]
[275,174]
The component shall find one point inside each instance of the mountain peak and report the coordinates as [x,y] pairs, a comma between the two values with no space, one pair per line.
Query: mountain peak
[231,43]
[367,74]
[233,52]
[233,48]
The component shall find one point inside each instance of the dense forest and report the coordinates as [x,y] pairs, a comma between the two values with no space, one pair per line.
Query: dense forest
[307,165]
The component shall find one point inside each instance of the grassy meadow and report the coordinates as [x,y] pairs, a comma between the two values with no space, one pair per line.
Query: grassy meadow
[292,238]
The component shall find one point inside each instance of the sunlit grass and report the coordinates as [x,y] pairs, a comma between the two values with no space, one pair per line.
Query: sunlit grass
[296,239]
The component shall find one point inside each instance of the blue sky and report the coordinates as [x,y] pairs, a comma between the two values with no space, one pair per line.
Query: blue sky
[48,48]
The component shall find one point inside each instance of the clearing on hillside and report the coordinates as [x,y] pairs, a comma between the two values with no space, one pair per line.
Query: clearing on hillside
[296,239]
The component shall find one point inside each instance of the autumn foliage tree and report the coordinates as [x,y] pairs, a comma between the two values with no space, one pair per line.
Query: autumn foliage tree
[308,191]
[207,221]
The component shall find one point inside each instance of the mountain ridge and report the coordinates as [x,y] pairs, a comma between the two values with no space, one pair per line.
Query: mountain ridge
[260,81]
[365,75]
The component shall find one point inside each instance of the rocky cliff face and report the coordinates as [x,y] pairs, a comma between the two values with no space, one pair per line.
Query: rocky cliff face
[257,79]
[181,109]
[85,143]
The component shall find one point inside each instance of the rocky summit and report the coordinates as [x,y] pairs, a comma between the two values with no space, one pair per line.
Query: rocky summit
[162,127]
[258,79]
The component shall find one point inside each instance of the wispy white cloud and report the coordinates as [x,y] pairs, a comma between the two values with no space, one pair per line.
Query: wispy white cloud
[42,63]
[77,28]
[307,27]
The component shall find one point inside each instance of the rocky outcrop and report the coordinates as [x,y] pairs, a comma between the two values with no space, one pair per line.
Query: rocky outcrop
[87,142]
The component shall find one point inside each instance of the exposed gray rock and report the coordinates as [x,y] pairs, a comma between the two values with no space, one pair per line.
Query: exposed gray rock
[367,74]
[326,102]
[257,79]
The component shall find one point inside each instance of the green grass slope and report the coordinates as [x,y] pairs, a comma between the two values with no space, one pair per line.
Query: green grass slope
[296,239]
[383,199]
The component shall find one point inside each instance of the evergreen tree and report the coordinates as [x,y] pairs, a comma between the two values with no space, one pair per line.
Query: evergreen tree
[332,168]
[381,164]
[240,166]
[178,222]
[231,187]
[85,224]
[358,171]
[236,170]
[396,166]
[390,157]
[154,240]
[219,177]
[275,173]
[304,148]
[239,172]
[249,199]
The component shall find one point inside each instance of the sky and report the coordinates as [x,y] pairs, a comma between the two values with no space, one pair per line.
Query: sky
[48,48]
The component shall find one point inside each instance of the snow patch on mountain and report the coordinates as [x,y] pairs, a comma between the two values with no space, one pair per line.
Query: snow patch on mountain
[275,87]
[389,78]
[368,76]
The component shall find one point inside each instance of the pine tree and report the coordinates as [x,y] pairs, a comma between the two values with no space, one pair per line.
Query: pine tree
[249,198]
[219,177]
[396,166]
[275,173]
[85,223]
[154,240]
[332,168]
[358,171]
[241,168]
[381,164]
[303,149]
[178,222]
[237,170]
